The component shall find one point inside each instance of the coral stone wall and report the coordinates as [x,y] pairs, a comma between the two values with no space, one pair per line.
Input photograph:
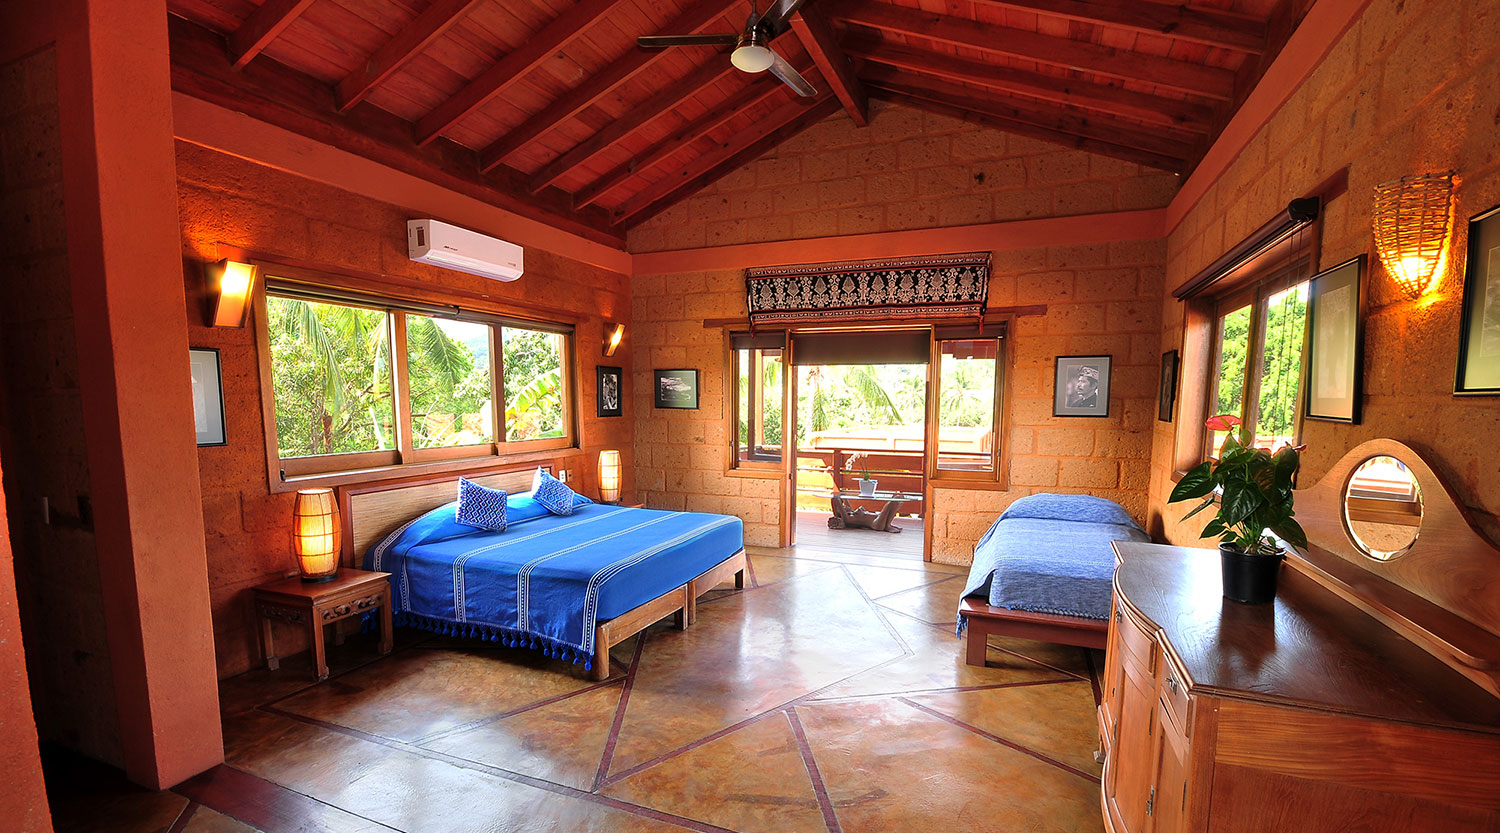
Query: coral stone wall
[1408,89]
[56,564]
[908,170]
[224,199]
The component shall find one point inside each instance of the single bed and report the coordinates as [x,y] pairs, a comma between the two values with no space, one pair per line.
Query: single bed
[571,586]
[1044,571]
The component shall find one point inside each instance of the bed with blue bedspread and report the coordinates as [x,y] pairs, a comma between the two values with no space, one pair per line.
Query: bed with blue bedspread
[1045,570]
[553,582]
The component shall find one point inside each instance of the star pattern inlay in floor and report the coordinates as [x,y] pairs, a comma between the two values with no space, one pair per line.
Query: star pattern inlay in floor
[829,695]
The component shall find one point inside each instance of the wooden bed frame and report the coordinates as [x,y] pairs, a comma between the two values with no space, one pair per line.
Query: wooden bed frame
[372,511]
[986,619]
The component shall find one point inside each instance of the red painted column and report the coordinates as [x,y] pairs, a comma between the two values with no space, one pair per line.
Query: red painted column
[124,258]
[23,802]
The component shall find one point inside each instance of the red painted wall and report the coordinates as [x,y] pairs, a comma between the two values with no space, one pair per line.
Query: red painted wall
[226,199]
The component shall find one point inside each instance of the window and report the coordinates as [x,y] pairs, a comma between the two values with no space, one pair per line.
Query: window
[759,400]
[361,382]
[1258,346]
[967,406]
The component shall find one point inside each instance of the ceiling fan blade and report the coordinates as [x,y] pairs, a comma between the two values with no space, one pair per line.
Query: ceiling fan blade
[662,41]
[783,70]
[774,21]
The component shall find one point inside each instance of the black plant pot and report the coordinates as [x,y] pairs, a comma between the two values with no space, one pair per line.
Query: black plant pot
[1249,578]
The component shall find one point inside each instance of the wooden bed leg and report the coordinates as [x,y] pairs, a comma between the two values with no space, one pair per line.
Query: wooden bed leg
[739,579]
[976,646]
[684,615]
[601,656]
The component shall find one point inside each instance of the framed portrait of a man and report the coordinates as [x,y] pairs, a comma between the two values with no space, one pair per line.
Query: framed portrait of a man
[1081,386]
[609,391]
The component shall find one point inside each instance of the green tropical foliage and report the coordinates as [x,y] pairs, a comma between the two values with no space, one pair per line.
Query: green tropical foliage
[1281,370]
[533,384]
[1251,488]
[450,386]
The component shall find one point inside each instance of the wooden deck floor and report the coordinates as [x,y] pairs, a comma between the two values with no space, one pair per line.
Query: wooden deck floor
[813,534]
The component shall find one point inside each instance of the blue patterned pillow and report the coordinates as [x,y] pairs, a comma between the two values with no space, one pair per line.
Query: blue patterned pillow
[480,506]
[1085,508]
[552,493]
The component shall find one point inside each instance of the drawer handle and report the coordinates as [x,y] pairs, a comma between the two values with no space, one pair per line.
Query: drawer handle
[1172,684]
[1117,616]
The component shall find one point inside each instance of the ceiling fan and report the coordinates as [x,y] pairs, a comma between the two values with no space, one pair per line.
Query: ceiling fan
[751,50]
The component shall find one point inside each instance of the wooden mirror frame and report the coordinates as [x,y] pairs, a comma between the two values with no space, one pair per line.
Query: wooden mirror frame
[1443,593]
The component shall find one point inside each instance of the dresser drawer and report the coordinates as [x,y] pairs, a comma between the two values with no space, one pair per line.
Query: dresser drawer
[1174,695]
[1134,640]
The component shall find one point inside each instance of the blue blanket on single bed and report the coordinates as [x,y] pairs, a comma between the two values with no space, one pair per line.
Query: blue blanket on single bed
[1051,554]
[547,580]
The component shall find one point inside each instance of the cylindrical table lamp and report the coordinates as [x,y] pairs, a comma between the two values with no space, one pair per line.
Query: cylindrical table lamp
[609,476]
[315,535]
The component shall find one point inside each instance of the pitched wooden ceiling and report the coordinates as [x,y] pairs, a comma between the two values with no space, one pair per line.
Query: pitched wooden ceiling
[549,108]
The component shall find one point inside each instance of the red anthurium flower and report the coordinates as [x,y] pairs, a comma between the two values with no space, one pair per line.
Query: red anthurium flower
[1223,422]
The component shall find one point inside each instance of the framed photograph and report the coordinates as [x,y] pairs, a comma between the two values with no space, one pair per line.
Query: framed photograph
[609,390]
[1479,328]
[1081,388]
[677,389]
[1334,340]
[208,395]
[1166,398]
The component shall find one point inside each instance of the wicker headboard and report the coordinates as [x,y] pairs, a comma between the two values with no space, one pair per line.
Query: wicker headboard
[371,511]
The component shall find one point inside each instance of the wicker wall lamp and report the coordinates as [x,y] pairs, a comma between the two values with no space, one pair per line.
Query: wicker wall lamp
[1413,219]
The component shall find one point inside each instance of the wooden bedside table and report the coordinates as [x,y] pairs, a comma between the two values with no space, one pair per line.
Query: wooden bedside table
[292,600]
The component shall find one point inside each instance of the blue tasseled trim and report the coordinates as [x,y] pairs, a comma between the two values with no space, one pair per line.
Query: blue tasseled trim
[509,637]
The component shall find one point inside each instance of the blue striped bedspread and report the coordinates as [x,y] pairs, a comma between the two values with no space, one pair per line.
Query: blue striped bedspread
[546,582]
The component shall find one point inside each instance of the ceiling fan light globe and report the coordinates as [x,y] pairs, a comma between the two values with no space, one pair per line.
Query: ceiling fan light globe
[752,58]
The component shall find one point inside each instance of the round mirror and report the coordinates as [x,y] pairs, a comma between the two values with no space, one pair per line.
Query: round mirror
[1383,508]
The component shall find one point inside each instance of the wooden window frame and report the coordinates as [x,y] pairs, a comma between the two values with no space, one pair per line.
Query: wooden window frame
[996,477]
[289,473]
[755,468]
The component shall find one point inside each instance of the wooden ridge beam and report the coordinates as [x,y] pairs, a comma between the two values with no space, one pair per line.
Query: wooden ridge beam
[692,19]
[1103,98]
[406,44]
[264,25]
[822,44]
[1209,27]
[1156,140]
[783,123]
[717,67]
[762,87]
[511,68]
[294,101]
[1196,79]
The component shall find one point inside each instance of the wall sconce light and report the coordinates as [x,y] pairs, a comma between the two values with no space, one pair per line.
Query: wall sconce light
[315,535]
[230,283]
[612,341]
[1413,218]
[609,476]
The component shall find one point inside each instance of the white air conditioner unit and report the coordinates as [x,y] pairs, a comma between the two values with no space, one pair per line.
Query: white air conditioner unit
[451,247]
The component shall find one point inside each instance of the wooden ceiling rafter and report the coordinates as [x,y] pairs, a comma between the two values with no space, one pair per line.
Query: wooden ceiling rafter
[596,86]
[792,117]
[410,41]
[508,70]
[822,44]
[263,25]
[1103,98]
[1208,27]
[711,72]
[762,88]
[1184,76]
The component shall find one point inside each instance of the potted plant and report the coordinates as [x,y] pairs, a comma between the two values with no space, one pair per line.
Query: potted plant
[866,485]
[1252,489]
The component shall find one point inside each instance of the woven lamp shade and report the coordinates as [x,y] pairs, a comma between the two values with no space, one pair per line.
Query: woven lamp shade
[1413,219]
[609,476]
[315,534]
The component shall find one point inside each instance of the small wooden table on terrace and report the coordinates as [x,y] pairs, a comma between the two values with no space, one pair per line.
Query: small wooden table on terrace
[315,605]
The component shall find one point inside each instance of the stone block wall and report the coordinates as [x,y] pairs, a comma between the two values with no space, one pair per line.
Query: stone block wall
[908,170]
[1409,89]
[224,199]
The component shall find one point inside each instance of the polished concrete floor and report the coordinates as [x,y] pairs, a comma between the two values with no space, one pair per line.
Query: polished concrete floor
[830,695]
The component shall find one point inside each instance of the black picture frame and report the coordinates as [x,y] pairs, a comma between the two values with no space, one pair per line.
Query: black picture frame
[1478,371]
[1071,396]
[609,391]
[208,396]
[1166,398]
[1335,344]
[675,388]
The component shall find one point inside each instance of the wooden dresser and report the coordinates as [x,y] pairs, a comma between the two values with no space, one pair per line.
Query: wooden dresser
[1355,702]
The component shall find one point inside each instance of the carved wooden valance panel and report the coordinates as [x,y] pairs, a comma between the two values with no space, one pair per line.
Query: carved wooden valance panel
[924,288]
